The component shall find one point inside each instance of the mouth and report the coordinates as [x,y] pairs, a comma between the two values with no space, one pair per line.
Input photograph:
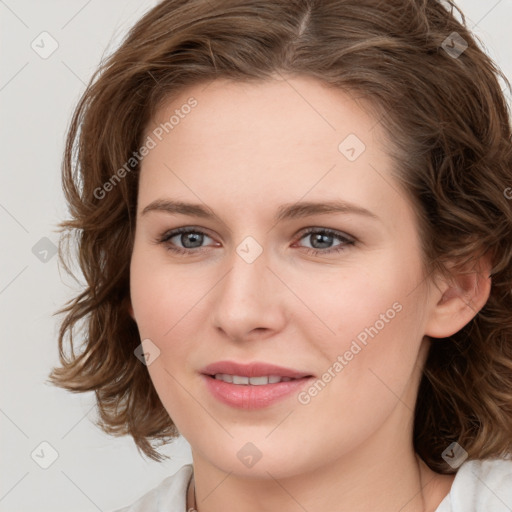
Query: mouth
[242,380]
[252,386]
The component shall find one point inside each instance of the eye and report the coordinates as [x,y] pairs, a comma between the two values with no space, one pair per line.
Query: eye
[191,240]
[323,236]
[190,237]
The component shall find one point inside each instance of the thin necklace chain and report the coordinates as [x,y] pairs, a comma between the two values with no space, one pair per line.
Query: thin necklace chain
[421,485]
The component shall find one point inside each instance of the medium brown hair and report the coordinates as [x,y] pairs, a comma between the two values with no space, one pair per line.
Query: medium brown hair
[450,135]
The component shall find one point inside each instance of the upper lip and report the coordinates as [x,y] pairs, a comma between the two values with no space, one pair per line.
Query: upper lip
[255,369]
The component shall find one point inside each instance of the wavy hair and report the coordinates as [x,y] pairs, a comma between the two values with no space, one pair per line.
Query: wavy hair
[448,123]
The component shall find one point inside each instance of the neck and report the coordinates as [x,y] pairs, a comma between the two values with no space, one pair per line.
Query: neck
[408,486]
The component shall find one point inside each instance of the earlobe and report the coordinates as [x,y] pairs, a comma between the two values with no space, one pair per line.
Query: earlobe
[457,302]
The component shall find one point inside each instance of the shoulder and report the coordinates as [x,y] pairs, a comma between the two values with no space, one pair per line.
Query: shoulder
[481,486]
[170,494]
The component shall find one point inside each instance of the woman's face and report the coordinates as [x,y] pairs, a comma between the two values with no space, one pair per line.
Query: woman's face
[348,319]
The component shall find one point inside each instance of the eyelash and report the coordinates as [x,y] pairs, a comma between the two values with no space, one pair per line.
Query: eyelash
[165,237]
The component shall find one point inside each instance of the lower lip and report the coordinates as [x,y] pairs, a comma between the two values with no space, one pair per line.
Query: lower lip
[252,397]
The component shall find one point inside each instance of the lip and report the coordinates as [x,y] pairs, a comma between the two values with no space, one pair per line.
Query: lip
[256,369]
[252,397]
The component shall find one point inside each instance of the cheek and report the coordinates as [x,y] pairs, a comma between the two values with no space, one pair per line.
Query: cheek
[166,309]
[159,298]
[158,307]
[366,370]
[365,302]
[374,363]
[377,317]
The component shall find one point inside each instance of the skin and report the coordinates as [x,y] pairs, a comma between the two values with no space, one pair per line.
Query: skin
[243,151]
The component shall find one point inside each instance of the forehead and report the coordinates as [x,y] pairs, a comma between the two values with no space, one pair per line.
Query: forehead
[297,112]
[282,139]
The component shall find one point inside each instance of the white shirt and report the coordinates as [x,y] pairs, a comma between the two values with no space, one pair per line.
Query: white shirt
[479,486]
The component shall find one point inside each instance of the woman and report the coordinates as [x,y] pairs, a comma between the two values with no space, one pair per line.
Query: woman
[210,159]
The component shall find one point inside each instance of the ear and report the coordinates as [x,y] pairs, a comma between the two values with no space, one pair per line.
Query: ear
[458,300]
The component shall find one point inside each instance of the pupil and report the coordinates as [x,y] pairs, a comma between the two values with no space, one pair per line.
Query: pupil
[197,237]
[318,238]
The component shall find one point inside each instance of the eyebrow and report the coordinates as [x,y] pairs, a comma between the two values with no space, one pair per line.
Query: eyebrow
[284,212]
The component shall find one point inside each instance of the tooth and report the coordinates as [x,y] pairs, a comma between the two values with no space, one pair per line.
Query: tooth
[224,377]
[237,379]
[254,381]
[258,381]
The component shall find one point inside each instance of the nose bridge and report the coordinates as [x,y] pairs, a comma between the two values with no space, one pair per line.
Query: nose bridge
[248,296]
[248,274]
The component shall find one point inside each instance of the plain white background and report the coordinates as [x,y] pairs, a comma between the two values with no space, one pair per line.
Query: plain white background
[92,471]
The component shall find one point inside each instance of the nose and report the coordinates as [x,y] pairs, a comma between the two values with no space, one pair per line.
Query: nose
[250,301]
